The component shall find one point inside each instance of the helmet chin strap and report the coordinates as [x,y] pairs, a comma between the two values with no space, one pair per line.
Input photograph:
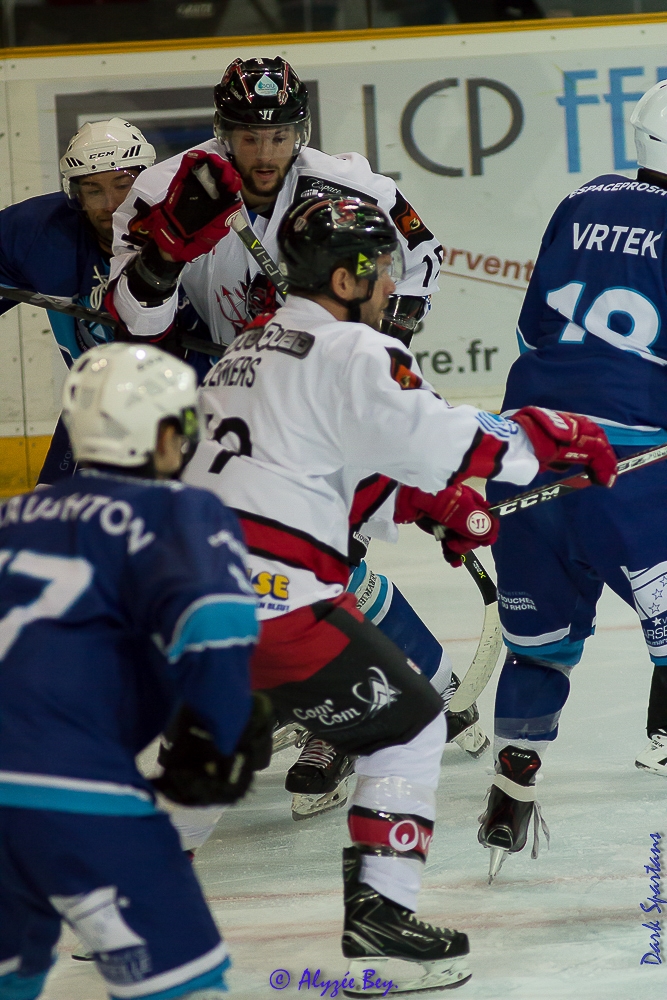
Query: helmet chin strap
[353,306]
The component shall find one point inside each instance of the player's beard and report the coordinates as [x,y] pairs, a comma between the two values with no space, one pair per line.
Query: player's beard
[270,194]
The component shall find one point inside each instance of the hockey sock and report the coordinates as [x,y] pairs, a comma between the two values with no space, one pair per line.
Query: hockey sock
[657,703]
[393,810]
[529,699]
[442,679]
[383,604]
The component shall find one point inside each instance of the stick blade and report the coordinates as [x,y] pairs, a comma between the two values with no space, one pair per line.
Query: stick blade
[484,662]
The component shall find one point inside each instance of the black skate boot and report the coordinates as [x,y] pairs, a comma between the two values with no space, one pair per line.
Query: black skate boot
[390,948]
[320,778]
[510,807]
[464,727]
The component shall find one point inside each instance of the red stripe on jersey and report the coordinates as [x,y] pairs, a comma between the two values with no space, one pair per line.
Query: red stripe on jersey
[369,496]
[406,835]
[273,540]
[295,646]
[483,458]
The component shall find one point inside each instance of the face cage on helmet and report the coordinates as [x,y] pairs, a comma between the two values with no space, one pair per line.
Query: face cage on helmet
[223,132]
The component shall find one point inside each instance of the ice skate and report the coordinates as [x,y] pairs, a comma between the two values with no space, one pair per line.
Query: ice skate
[286,736]
[510,808]
[319,780]
[654,757]
[381,936]
[464,727]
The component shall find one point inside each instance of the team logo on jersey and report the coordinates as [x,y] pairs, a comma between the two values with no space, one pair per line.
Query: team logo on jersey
[408,223]
[232,303]
[401,371]
[478,522]
[380,695]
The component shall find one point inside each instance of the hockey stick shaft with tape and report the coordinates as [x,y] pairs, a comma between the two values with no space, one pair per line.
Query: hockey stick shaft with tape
[60,304]
[256,250]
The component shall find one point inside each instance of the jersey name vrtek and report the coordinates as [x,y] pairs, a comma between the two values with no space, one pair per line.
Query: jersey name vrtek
[591,327]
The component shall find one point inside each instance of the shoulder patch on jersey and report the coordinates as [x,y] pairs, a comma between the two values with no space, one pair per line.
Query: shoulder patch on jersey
[401,371]
[311,187]
[408,223]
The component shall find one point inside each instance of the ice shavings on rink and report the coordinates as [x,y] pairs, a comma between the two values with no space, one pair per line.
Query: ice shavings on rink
[565,927]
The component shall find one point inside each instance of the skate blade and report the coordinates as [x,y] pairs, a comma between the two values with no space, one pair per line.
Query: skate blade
[660,769]
[473,740]
[398,977]
[287,736]
[498,855]
[305,806]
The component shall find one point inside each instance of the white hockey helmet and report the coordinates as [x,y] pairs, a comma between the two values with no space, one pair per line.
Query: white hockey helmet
[115,397]
[101,146]
[649,118]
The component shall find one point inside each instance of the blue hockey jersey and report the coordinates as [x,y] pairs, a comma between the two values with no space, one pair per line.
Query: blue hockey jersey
[590,330]
[48,246]
[119,598]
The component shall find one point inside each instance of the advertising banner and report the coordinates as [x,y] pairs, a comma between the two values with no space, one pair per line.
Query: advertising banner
[485,131]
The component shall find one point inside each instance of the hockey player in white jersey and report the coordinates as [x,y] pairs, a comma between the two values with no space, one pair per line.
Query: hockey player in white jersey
[262,128]
[300,409]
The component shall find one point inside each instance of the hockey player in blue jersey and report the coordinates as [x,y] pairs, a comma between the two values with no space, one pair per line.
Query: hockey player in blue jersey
[60,243]
[592,339]
[124,602]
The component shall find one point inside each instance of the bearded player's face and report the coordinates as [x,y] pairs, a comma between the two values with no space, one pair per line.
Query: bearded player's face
[263,156]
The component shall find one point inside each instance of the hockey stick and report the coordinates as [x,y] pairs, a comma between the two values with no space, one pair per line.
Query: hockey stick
[58,303]
[562,487]
[256,250]
[491,642]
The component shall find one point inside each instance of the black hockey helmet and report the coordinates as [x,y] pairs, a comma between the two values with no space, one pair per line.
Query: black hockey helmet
[320,234]
[261,93]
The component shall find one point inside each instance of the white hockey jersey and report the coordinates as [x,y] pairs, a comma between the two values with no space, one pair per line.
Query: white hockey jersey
[299,412]
[217,282]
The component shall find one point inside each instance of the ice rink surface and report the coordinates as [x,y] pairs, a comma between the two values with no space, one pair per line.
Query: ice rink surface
[567,926]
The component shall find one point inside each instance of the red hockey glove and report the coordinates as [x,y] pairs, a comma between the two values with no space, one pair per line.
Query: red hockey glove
[563,439]
[195,215]
[463,512]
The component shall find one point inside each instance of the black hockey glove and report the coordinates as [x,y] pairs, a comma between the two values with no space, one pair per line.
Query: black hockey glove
[197,774]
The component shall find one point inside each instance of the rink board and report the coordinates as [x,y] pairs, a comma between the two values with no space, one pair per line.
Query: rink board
[486,128]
